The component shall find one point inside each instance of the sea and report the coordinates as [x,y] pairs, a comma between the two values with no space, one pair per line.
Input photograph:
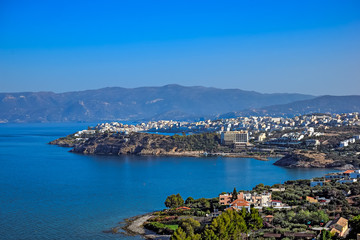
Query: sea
[46,192]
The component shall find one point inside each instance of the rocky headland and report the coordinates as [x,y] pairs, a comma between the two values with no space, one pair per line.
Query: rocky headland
[137,144]
[196,145]
[298,159]
[310,159]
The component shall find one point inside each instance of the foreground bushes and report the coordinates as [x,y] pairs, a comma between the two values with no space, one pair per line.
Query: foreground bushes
[161,228]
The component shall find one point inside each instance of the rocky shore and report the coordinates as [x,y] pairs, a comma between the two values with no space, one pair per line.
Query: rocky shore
[134,226]
[310,159]
[140,144]
[146,144]
[132,144]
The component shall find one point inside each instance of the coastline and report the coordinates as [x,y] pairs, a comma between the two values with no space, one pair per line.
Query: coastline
[145,144]
[161,152]
[134,226]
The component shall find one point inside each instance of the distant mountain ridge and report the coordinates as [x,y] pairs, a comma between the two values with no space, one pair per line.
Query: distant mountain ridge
[144,103]
[323,104]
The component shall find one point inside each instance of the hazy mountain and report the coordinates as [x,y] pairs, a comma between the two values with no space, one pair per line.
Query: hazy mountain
[323,104]
[144,103]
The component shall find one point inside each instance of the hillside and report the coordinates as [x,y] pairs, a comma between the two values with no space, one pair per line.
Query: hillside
[145,103]
[140,144]
[323,104]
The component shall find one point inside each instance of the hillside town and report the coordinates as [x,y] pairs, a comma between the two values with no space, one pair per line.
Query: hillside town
[245,131]
[252,124]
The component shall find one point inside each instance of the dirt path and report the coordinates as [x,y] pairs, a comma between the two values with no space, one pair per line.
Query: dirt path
[136,226]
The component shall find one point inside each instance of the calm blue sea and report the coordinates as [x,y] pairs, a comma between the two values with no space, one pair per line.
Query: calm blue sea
[48,193]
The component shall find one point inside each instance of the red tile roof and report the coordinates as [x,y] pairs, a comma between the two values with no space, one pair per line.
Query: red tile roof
[240,203]
[183,208]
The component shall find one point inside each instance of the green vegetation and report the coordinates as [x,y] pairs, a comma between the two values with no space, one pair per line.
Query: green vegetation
[174,201]
[189,200]
[296,192]
[326,235]
[161,228]
[355,226]
[292,219]
[194,221]
[229,225]
[188,229]
[198,207]
[234,195]
[198,142]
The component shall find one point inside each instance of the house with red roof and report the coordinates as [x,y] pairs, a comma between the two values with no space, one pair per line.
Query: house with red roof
[239,204]
[348,171]
[183,208]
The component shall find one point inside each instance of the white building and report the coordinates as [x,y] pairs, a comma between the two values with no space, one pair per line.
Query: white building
[234,137]
[276,203]
[344,143]
[262,137]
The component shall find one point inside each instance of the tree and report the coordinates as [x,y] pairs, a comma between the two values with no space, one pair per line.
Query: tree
[174,201]
[254,221]
[204,203]
[325,235]
[179,234]
[209,235]
[229,225]
[180,200]
[189,200]
[259,188]
[355,226]
[234,195]
[186,230]
[190,227]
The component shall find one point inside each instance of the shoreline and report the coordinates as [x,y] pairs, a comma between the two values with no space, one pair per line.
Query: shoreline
[134,226]
[179,154]
[199,154]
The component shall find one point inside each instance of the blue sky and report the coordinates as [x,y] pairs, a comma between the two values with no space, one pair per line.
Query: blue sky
[267,46]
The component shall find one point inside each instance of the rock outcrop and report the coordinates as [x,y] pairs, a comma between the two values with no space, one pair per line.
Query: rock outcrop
[121,144]
[305,159]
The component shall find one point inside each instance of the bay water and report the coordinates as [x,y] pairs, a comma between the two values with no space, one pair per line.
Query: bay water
[47,192]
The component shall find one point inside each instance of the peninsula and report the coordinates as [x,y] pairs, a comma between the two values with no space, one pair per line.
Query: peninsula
[311,141]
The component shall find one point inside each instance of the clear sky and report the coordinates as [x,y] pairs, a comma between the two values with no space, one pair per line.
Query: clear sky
[302,46]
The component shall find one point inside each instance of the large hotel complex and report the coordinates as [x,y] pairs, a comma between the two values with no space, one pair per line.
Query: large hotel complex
[235,138]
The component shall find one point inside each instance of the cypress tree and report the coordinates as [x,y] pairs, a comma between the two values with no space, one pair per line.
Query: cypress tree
[234,195]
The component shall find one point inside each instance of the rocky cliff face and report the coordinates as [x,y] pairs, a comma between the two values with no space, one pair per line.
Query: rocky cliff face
[192,145]
[119,144]
[299,159]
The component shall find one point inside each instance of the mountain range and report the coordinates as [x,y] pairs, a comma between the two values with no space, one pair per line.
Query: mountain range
[322,104]
[167,102]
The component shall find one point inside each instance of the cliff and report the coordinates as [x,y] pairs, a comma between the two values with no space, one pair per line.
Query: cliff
[312,159]
[140,144]
[195,145]
[299,159]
